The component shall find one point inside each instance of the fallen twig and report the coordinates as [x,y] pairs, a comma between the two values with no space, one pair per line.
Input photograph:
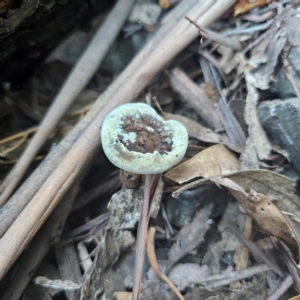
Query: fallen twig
[225,279]
[228,42]
[281,288]
[154,264]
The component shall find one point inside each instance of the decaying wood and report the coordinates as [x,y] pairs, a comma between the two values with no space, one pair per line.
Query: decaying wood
[67,171]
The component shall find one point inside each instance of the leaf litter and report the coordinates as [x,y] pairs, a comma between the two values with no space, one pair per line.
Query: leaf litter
[243,58]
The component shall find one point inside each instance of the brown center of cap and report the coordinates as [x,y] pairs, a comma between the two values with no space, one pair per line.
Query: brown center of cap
[150,135]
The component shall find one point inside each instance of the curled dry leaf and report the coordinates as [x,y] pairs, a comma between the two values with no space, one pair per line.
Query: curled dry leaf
[213,161]
[276,187]
[254,189]
[262,210]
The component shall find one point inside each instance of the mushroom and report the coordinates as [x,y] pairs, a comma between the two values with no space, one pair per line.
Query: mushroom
[136,139]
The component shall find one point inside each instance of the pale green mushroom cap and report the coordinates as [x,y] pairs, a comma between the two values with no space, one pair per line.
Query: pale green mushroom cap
[115,139]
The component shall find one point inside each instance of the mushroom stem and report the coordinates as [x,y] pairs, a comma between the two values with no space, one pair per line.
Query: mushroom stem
[141,238]
[131,180]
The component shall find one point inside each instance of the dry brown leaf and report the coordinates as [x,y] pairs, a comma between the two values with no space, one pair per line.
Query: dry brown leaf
[213,161]
[262,210]
[243,6]
[276,187]
[202,133]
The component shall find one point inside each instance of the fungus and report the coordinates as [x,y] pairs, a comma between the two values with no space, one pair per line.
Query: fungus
[136,139]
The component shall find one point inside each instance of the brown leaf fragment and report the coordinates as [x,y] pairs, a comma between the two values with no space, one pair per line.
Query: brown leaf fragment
[190,236]
[213,161]
[268,217]
[202,133]
[276,187]
[243,6]
[154,264]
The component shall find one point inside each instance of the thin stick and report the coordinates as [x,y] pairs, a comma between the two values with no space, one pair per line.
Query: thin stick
[84,147]
[281,288]
[77,80]
[228,42]
[154,264]
[235,276]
